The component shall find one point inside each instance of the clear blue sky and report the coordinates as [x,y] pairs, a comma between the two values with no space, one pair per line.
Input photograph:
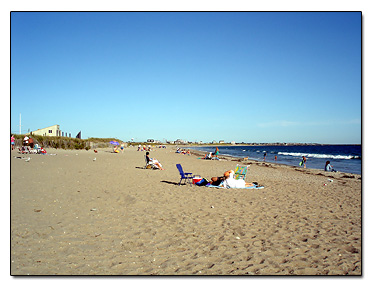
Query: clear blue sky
[249,76]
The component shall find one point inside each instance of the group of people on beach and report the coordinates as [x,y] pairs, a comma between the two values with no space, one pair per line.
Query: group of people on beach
[116,149]
[227,180]
[228,176]
[328,167]
[28,146]
[212,156]
[27,141]
[144,148]
[183,151]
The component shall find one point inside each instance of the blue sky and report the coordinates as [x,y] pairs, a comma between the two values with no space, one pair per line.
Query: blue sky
[243,76]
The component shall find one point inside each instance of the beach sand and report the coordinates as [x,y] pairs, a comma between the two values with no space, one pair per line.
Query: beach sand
[73,215]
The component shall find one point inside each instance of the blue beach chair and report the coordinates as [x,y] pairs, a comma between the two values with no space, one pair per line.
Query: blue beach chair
[185,176]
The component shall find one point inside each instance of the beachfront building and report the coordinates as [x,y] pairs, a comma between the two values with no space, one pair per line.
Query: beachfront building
[153,141]
[180,141]
[53,130]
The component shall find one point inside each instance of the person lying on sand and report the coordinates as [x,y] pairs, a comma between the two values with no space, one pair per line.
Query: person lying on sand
[208,156]
[231,183]
[216,181]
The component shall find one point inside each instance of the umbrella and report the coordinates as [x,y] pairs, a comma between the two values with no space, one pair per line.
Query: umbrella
[114,142]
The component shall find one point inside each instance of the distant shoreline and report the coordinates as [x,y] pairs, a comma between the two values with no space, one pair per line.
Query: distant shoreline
[235,153]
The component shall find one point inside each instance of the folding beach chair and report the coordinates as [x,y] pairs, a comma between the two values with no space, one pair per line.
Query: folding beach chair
[150,165]
[240,172]
[185,176]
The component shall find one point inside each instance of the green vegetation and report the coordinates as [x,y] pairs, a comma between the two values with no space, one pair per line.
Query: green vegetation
[67,142]
[106,140]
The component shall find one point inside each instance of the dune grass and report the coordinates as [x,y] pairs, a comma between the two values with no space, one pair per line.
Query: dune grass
[67,142]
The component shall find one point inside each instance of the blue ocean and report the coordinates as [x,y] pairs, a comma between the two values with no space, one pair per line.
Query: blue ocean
[343,158]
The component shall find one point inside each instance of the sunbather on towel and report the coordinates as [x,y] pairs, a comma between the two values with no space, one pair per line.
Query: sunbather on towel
[232,183]
[216,181]
[154,161]
[208,156]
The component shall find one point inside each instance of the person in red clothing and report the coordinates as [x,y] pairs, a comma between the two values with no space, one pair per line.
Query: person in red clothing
[31,142]
[12,139]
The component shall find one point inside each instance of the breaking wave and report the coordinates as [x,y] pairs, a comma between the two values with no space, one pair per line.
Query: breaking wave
[319,156]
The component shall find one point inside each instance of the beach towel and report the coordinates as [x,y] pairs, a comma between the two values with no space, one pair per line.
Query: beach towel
[247,188]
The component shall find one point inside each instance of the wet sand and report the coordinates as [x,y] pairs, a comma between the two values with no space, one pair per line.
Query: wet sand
[73,215]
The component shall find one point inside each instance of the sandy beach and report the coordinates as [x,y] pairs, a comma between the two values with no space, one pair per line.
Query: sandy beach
[73,215]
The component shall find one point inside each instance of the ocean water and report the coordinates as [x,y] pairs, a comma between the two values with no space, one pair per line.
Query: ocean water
[343,158]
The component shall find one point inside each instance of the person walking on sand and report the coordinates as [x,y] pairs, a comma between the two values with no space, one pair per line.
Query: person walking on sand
[12,140]
[304,160]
